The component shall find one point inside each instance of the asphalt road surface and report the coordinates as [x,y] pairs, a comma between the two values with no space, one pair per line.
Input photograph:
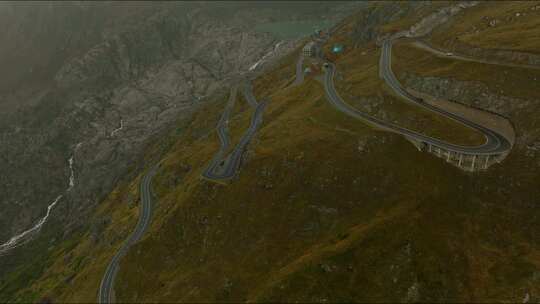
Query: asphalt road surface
[222,130]
[495,143]
[222,168]
[106,288]
[248,94]
[299,71]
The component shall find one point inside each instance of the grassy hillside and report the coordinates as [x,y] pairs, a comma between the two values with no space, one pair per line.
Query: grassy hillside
[311,218]
[360,70]
[514,26]
[509,81]
[325,208]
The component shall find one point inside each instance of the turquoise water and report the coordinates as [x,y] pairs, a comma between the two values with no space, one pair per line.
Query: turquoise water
[294,29]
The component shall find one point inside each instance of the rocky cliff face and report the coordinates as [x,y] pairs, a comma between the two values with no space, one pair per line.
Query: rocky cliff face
[366,25]
[106,87]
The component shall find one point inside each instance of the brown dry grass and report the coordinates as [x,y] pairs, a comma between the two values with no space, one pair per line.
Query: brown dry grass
[511,33]
[307,200]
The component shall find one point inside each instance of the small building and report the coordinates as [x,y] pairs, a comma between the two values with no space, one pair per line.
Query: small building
[312,49]
[337,48]
[309,49]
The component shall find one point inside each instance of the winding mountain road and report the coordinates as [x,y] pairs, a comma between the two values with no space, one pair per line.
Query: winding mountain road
[248,94]
[222,130]
[494,144]
[106,288]
[225,169]
[299,71]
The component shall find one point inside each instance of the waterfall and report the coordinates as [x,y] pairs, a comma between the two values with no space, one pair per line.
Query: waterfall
[25,236]
[116,130]
[256,64]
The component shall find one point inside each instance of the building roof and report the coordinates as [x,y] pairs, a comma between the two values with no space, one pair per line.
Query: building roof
[309,45]
[337,48]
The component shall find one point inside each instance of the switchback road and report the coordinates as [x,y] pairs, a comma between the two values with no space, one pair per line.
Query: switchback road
[221,168]
[106,288]
[495,143]
[222,130]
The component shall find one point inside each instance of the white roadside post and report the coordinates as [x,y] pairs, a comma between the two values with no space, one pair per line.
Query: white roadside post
[473,161]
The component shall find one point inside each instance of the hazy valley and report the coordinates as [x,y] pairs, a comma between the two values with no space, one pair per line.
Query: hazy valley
[200,152]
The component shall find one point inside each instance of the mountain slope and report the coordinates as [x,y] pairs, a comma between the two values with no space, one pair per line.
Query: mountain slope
[325,208]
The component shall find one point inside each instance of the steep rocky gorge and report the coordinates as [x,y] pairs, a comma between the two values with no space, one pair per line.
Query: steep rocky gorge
[107,87]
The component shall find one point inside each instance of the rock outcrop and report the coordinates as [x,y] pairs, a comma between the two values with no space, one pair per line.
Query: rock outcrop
[109,86]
